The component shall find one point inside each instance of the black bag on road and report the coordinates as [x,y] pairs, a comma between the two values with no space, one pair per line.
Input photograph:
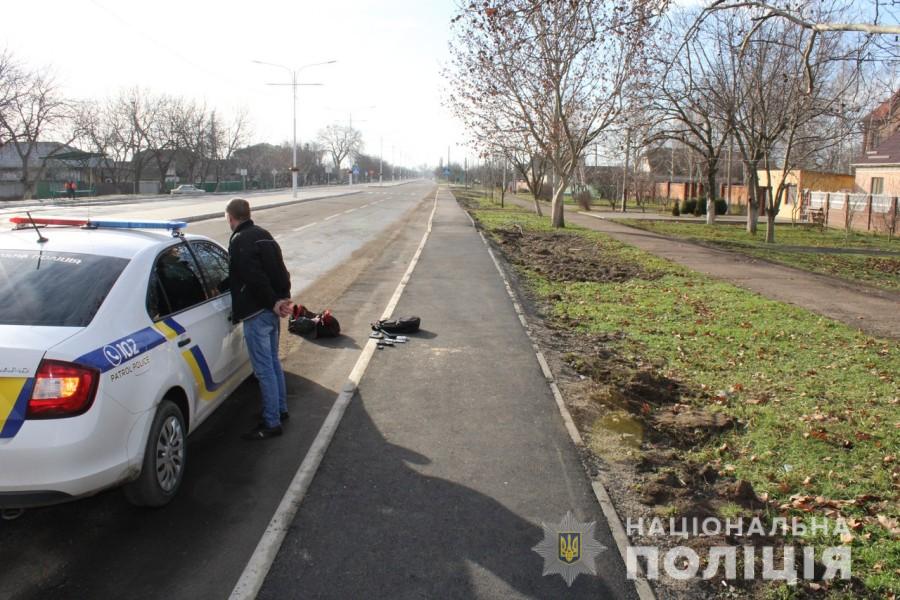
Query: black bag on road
[312,325]
[398,325]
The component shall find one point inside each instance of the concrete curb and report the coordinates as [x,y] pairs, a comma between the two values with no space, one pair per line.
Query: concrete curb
[642,586]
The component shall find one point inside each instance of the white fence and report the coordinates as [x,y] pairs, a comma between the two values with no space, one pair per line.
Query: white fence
[880,202]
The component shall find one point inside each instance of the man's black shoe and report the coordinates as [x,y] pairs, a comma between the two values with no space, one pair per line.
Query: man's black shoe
[261,432]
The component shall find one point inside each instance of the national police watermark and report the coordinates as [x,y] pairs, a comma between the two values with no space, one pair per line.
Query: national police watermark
[683,562]
[569,548]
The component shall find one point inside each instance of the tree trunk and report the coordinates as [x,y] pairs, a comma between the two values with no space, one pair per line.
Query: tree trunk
[770,225]
[711,197]
[537,204]
[557,216]
[752,199]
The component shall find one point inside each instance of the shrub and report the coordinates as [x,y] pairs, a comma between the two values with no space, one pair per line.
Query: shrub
[721,206]
[688,206]
[583,199]
[676,212]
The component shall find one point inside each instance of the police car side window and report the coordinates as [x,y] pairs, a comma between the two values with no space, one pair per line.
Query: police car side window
[157,302]
[214,262]
[179,282]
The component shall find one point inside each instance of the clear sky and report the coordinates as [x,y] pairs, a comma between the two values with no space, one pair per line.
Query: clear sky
[389,55]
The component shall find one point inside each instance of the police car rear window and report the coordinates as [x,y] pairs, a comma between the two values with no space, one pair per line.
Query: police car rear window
[54,288]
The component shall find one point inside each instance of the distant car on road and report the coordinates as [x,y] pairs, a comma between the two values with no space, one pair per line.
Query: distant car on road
[187,189]
[115,343]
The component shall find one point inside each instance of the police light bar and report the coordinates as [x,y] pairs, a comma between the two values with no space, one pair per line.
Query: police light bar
[101,223]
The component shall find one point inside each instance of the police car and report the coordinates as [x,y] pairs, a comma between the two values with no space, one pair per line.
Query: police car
[115,343]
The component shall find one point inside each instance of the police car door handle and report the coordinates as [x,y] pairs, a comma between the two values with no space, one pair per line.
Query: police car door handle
[184,342]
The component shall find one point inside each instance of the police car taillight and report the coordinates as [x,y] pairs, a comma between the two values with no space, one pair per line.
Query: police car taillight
[62,389]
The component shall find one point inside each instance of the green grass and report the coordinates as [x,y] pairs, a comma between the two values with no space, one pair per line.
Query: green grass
[785,235]
[818,402]
[870,270]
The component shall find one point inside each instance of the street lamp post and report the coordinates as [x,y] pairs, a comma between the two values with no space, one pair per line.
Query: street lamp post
[294,85]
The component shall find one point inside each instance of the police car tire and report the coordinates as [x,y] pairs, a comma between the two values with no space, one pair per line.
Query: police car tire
[146,489]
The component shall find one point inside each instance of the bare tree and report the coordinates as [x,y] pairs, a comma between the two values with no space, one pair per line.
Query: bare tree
[35,108]
[164,135]
[223,140]
[136,113]
[778,122]
[695,93]
[193,131]
[11,85]
[555,69]
[340,141]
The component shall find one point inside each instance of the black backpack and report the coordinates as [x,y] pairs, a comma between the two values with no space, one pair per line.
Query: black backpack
[398,325]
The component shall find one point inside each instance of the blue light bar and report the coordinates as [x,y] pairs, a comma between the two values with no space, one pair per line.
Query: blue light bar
[116,224]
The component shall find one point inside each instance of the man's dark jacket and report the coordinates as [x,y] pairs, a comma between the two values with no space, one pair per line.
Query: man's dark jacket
[257,276]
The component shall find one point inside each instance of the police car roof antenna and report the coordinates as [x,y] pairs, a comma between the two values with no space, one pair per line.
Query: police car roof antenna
[41,239]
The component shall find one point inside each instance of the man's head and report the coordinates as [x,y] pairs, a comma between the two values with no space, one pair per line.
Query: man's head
[236,212]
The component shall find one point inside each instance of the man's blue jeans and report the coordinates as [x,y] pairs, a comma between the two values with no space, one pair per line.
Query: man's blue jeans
[261,333]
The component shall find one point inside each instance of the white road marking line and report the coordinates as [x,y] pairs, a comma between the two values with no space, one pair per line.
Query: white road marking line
[266,551]
[331,217]
[347,212]
[306,226]
[642,586]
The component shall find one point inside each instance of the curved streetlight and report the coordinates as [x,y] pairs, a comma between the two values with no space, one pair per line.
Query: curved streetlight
[294,85]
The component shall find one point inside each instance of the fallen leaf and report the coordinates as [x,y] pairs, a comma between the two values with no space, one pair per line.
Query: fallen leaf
[890,524]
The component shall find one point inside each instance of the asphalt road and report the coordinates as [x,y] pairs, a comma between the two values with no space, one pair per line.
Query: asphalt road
[196,547]
[449,458]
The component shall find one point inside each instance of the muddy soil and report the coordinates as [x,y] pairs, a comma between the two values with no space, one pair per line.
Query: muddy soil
[564,257]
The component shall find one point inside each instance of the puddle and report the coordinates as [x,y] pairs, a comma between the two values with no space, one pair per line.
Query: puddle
[628,429]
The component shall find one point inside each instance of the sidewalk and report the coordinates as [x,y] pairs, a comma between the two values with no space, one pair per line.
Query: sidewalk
[873,311]
[449,459]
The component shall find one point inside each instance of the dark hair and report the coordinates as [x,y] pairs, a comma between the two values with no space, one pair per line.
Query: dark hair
[239,209]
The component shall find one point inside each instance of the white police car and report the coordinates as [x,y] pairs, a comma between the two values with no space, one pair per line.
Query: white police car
[115,343]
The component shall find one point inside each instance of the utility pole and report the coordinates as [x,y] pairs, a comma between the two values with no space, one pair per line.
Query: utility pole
[728,173]
[381,161]
[503,189]
[294,85]
[625,170]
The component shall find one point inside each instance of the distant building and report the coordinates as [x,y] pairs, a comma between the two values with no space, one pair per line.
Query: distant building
[67,164]
[878,169]
[798,180]
[882,123]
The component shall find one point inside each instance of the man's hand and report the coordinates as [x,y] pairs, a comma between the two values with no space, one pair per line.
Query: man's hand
[283,308]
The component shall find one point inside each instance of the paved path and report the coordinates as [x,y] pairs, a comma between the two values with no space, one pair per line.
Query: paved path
[875,312]
[448,460]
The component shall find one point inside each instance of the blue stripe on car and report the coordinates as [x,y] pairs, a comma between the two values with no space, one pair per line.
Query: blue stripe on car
[115,353]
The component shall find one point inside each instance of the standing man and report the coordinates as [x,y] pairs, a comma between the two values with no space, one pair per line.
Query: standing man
[260,294]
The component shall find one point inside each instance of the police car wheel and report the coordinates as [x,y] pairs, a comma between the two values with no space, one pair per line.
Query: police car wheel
[164,459]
